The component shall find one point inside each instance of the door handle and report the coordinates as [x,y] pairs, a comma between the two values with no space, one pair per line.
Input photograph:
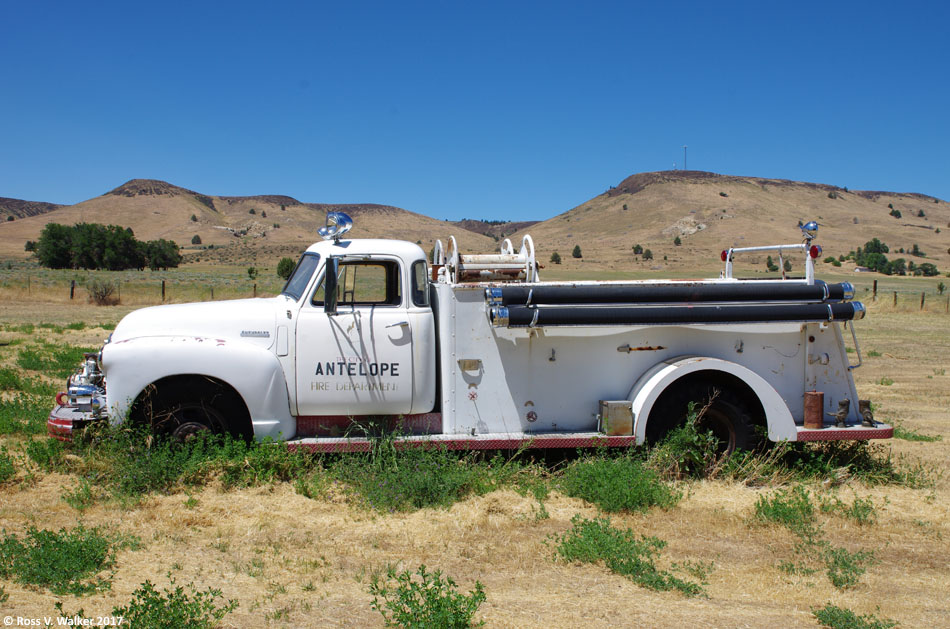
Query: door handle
[401,324]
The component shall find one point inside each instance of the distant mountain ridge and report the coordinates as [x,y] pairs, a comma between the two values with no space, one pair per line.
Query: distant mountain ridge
[18,208]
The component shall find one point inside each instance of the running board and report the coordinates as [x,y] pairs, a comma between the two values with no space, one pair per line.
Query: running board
[488,441]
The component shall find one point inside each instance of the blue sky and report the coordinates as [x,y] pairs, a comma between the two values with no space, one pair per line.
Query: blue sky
[496,110]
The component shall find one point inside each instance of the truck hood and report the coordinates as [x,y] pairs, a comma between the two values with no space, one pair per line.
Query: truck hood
[249,320]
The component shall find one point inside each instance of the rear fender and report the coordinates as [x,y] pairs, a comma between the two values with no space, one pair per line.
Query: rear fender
[254,372]
[656,379]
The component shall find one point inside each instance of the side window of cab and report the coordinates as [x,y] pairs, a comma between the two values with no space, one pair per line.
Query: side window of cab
[366,283]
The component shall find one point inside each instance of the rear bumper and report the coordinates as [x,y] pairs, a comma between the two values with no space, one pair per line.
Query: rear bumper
[853,433]
[64,421]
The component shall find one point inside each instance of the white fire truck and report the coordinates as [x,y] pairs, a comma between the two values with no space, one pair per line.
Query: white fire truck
[473,351]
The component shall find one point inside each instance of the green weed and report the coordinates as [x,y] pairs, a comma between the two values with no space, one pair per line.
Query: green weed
[840,618]
[885,381]
[81,498]
[53,360]
[24,414]
[67,562]
[873,354]
[861,510]
[78,325]
[617,484]
[426,601]
[47,454]
[792,509]
[7,469]
[845,568]
[590,541]
[911,434]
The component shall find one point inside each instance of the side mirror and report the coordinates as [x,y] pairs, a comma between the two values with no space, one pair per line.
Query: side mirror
[330,277]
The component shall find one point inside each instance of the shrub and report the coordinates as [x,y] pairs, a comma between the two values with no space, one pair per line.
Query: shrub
[617,484]
[101,292]
[555,258]
[194,218]
[637,249]
[196,239]
[285,267]
[590,541]
[677,241]
[252,272]
[174,608]
[647,254]
[429,601]
[577,252]
[412,478]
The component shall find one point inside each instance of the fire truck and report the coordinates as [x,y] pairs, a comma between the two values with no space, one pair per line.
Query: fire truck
[369,337]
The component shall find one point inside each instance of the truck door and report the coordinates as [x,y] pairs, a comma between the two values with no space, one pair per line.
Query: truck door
[359,360]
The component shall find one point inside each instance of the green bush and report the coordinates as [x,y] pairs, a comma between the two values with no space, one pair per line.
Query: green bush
[174,608]
[590,541]
[427,601]
[839,618]
[617,484]
[67,562]
[577,252]
[285,267]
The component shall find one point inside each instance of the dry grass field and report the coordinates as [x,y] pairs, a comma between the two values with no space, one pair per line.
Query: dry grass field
[293,560]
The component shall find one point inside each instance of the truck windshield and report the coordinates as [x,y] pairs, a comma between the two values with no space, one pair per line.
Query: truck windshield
[297,283]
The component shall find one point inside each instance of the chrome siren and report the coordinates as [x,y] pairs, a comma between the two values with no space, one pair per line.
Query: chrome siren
[338,224]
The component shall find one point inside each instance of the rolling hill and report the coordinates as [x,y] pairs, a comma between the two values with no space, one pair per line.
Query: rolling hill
[710,212]
[707,211]
[236,226]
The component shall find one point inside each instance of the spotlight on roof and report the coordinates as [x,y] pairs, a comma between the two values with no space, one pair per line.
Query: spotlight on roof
[338,224]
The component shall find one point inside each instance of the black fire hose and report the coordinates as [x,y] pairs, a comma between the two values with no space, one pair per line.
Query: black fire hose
[530,316]
[661,294]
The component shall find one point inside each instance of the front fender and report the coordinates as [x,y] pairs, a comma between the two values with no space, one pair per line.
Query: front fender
[656,379]
[255,373]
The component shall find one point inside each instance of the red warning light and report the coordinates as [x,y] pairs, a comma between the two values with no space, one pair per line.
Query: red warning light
[815,251]
[724,255]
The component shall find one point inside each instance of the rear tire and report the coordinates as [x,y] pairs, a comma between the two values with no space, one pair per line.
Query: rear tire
[728,415]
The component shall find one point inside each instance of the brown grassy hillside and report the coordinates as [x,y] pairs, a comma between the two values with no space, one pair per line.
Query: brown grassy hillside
[710,212]
[271,223]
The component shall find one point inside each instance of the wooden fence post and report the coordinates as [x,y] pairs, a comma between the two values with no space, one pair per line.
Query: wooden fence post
[212,293]
[163,291]
[72,289]
[922,295]
[874,296]
[895,298]
[255,290]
